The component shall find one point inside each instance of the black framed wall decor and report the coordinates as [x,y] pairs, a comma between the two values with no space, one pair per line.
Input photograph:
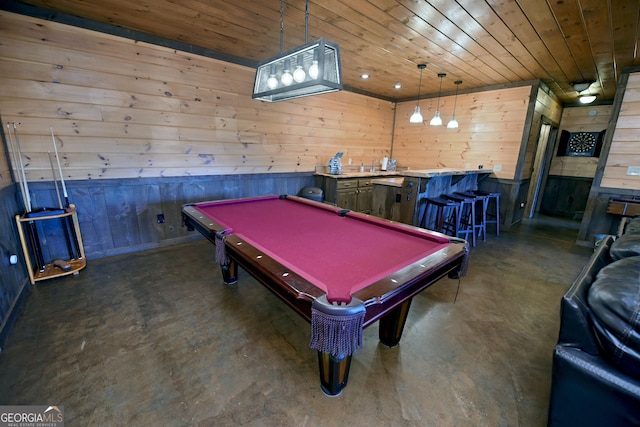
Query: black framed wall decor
[581,144]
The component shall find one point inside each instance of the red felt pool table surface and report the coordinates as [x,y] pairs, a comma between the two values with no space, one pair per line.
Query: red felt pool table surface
[312,255]
[340,254]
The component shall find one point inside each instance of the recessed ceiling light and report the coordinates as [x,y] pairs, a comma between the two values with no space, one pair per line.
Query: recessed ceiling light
[587,99]
[398,85]
[365,76]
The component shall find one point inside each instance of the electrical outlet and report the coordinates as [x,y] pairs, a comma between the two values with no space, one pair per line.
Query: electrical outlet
[160,218]
[497,168]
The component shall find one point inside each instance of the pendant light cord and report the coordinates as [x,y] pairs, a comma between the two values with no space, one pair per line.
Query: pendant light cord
[306,22]
[455,100]
[419,87]
[439,91]
[281,24]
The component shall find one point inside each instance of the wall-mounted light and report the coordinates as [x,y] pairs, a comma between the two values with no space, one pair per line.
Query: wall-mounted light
[453,123]
[437,121]
[416,117]
[316,69]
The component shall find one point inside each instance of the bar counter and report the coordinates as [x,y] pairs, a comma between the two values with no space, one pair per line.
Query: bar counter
[430,173]
[397,198]
[394,194]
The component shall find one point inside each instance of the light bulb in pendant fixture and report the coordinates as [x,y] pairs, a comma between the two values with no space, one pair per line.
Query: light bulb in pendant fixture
[272,81]
[313,69]
[453,123]
[298,74]
[416,117]
[436,120]
[286,78]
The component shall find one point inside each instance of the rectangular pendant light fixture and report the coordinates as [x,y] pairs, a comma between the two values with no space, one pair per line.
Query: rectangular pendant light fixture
[310,69]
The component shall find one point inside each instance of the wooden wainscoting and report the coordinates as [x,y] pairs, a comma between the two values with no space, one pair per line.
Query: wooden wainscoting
[121,215]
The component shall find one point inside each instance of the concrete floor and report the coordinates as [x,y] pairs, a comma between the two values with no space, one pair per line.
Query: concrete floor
[155,338]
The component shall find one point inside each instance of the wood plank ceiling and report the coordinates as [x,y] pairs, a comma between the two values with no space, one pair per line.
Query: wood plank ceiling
[481,42]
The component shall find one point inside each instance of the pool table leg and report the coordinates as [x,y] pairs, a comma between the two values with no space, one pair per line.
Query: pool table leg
[334,373]
[392,324]
[230,272]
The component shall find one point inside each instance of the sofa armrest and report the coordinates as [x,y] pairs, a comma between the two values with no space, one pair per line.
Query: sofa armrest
[587,391]
[575,318]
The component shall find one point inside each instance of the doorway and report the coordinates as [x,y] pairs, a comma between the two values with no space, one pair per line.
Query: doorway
[543,156]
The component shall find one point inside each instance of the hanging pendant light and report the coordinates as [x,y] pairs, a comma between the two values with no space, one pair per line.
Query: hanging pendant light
[310,69]
[453,123]
[416,117]
[437,121]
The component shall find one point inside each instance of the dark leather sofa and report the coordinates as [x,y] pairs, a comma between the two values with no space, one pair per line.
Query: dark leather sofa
[596,362]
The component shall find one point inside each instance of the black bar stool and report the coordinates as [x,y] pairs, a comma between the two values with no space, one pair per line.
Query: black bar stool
[493,217]
[447,215]
[481,202]
[467,222]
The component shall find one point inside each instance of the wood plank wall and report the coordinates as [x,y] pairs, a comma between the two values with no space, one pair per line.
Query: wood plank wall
[625,145]
[621,149]
[580,119]
[126,109]
[547,109]
[490,132]
[520,195]
[5,173]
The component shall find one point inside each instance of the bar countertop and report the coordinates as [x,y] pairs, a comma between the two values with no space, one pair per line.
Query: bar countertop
[377,173]
[427,173]
[417,173]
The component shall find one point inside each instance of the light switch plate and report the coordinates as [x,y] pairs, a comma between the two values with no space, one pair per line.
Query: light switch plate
[633,170]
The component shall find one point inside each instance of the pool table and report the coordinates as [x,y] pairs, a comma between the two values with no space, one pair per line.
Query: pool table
[340,270]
